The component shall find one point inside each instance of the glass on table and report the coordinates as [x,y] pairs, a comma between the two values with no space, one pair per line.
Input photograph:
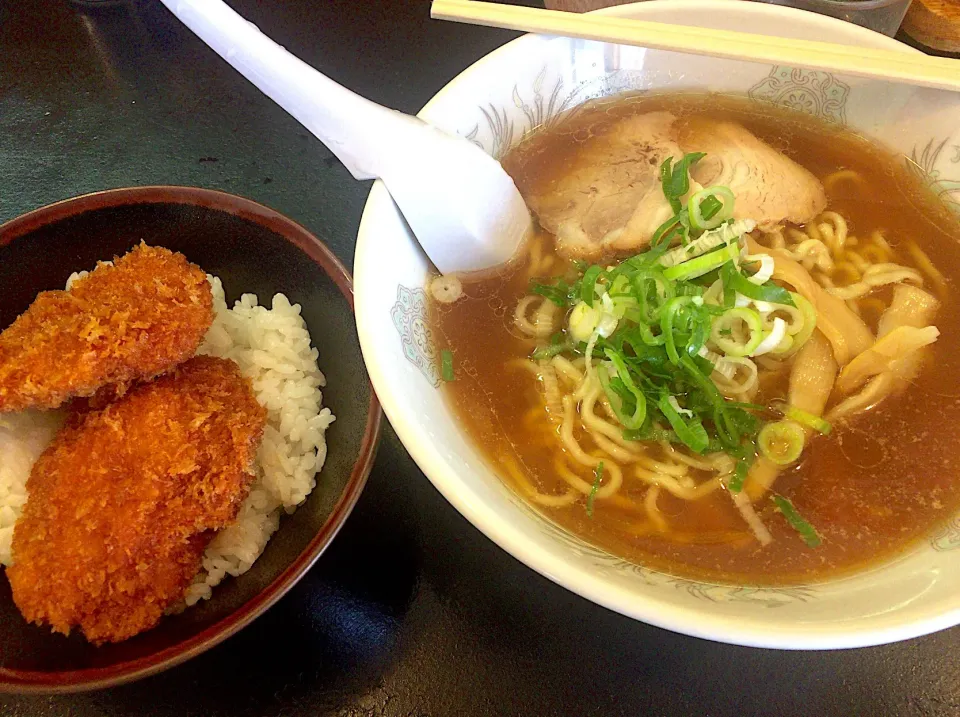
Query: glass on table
[883,16]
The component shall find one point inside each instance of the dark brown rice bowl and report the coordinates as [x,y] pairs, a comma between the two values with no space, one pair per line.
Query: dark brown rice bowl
[253,250]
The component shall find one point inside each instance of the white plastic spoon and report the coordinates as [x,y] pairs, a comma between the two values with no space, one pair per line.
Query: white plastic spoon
[462,206]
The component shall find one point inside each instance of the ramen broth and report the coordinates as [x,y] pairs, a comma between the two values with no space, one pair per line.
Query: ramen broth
[879,482]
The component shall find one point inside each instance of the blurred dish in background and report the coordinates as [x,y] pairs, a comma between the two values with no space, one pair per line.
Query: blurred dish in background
[582,5]
[935,24]
[883,16]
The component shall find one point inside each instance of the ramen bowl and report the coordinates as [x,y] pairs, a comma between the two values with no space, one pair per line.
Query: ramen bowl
[252,249]
[521,86]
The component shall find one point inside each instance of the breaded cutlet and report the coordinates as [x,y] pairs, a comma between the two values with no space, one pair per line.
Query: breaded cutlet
[133,320]
[125,499]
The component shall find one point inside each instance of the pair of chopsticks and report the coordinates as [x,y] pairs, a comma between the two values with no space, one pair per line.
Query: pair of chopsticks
[907,67]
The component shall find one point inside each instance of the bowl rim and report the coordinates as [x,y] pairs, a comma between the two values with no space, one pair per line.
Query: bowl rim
[700,623]
[40,682]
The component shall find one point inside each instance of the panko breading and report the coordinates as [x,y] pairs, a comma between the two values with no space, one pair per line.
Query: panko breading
[133,320]
[125,499]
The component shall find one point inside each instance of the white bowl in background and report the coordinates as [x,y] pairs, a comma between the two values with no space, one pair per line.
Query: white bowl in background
[493,103]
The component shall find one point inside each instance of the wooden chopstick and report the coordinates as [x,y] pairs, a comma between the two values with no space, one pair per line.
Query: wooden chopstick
[907,67]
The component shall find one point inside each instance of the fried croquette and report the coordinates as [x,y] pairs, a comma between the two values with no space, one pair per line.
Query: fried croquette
[133,320]
[126,498]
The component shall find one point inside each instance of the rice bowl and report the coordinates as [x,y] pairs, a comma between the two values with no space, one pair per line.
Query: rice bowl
[254,249]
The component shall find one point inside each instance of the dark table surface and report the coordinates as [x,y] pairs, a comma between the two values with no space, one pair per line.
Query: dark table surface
[412,612]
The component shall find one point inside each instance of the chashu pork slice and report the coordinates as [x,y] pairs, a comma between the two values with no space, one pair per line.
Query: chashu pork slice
[589,205]
[769,187]
[609,199]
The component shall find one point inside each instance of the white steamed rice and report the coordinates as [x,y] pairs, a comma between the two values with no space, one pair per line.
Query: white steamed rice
[23,436]
[273,349]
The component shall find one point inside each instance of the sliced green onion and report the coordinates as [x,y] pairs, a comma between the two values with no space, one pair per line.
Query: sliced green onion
[667,319]
[652,290]
[800,337]
[734,280]
[619,285]
[666,172]
[588,285]
[616,392]
[807,531]
[765,266]
[679,183]
[740,474]
[728,233]
[700,318]
[650,432]
[597,477]
[774,339]
[551,350]
[558,293]
[583,321]
[640,409]
[690,432]
[701,265]
[806,419]
[729,293]
[708,387]
[446,365]
[721,331]
[710,207]
[648,337]
[790,314]
[784,347]
[648,319]
[781,441]
[668,231]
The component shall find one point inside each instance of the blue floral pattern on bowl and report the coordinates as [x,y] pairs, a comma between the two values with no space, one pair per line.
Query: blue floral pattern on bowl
[948,537]
[929,162]
[808,91]
[409,315]
[544,104]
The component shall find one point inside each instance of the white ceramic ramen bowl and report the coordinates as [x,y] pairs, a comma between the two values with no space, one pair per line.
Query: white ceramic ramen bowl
[493,103]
